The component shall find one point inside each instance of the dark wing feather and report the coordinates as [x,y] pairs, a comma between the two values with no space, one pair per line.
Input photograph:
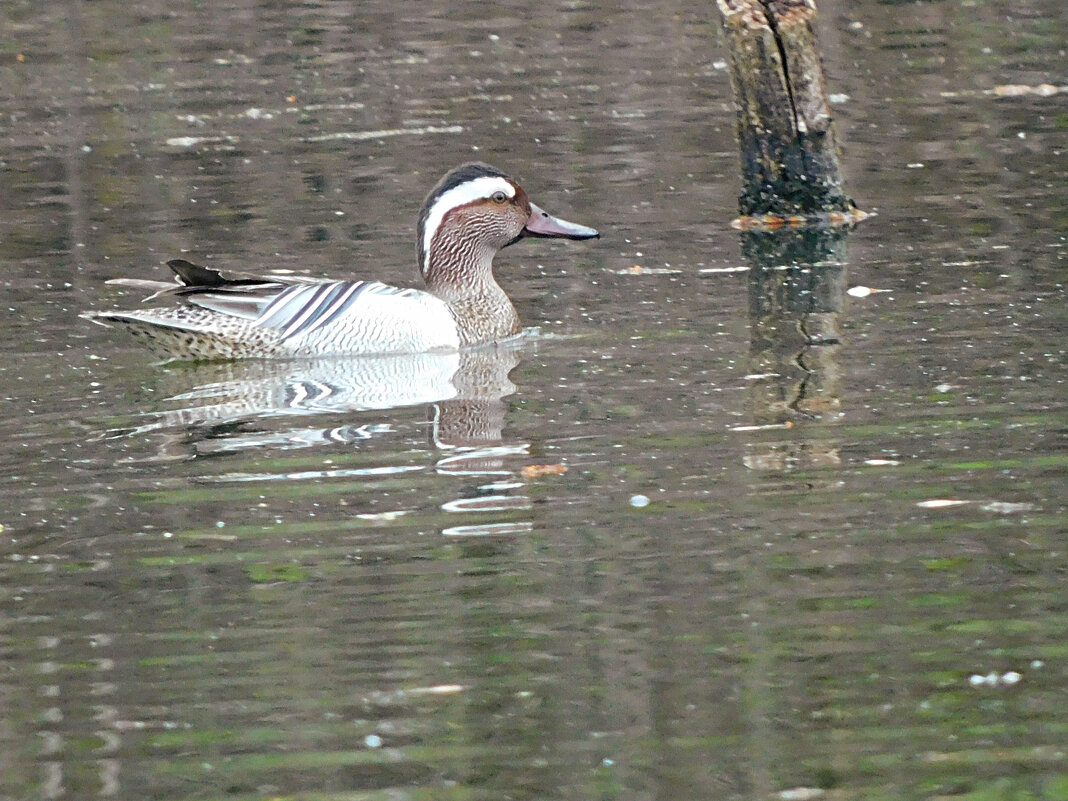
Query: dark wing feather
[192,280]
[195,278]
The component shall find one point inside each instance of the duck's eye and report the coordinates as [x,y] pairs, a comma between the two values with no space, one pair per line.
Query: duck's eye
[498,197]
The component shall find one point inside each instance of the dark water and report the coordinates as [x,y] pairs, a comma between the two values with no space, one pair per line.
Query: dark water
[728,528]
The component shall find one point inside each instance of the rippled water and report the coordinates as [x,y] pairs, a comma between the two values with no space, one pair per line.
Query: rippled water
[730,525]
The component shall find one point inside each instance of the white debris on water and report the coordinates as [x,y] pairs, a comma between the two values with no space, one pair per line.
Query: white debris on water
[801,794]
[940,503]
[710,270]
[863,291]
[1006,508]
[385,133]
[190,141]
[994,679]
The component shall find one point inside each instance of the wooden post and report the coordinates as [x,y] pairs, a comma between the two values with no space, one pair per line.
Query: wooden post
[785,131]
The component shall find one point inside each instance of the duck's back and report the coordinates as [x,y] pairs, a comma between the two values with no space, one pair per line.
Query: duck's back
[339,317]
[356,317]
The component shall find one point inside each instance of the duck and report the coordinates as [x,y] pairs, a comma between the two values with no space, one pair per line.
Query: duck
[473,212]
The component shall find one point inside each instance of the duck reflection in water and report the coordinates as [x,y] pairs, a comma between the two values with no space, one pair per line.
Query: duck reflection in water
[464,389]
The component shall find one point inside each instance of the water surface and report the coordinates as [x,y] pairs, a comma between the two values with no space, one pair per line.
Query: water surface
[723,529]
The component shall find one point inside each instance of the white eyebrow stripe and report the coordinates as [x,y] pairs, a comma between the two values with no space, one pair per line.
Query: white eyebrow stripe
[467,192]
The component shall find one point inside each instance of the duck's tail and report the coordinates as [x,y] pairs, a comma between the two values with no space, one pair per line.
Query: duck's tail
[173,333]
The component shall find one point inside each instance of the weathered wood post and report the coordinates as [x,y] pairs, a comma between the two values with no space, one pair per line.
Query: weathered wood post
[785,130]
[795,220]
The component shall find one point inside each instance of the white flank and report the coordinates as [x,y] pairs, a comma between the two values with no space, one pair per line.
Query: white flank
[461,195]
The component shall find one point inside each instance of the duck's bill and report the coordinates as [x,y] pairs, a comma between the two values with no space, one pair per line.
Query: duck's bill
[541,223]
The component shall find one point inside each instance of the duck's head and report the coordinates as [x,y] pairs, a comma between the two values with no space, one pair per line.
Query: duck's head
[476,210]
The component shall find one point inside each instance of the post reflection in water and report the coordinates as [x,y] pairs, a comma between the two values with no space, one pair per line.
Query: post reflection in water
[796,293]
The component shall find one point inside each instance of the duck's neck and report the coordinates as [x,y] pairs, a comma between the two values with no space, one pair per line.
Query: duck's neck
[462,276]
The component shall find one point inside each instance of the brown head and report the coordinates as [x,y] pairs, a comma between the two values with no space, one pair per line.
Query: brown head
[473,212]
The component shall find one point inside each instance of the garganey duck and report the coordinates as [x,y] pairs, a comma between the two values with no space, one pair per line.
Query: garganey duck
[473,212]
